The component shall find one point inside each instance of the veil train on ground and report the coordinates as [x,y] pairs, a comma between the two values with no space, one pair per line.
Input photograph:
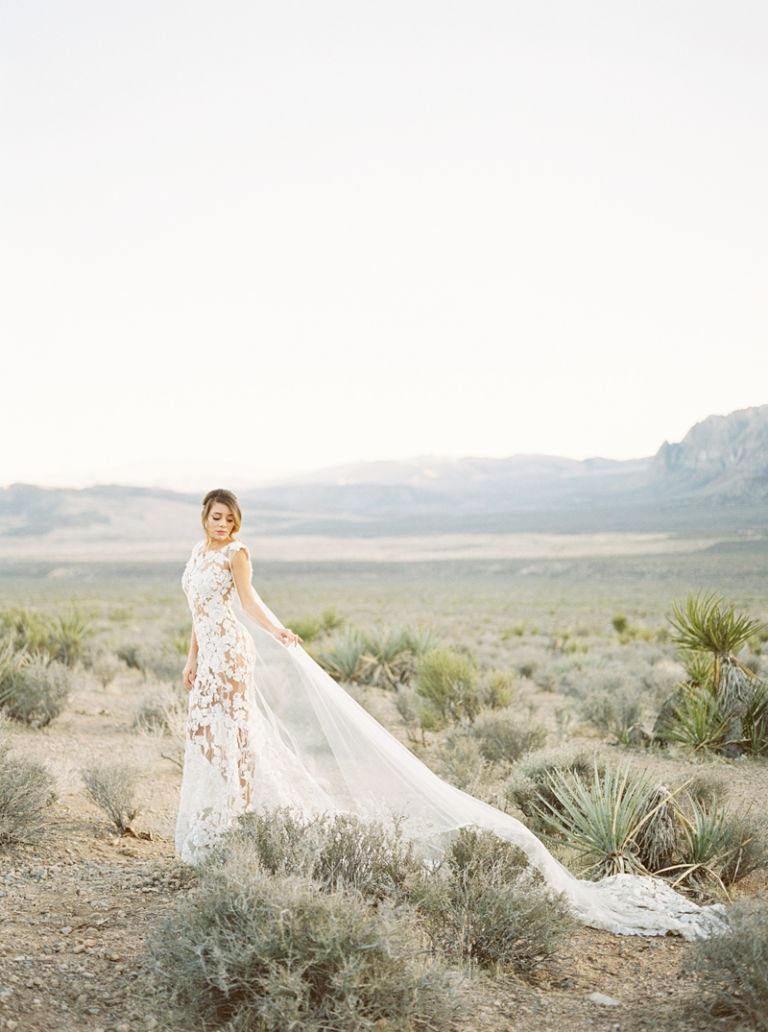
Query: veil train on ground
[323,752]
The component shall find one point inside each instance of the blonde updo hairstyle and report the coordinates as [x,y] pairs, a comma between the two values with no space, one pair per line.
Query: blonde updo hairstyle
[223,497]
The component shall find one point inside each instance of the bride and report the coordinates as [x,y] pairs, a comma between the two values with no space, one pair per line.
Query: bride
[267,726]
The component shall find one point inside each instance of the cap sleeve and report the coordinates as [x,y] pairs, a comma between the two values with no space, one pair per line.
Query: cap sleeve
[238,546]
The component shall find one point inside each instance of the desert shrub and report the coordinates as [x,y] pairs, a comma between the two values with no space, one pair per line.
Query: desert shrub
[488,906]
[461,762]
[406,704]
[497,688]
[112,787]
[153,659]
[26,792]
[620,623]
[503,738]
[341,851]
[618,713]
[446,680]
[248,950]
[733,967]
[530,785]
[164,712]
[35,692]
[104,664]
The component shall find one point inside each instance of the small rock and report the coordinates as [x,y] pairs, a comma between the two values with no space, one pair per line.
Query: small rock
[604,1001]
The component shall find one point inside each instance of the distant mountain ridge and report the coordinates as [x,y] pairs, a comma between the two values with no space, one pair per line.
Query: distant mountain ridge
[724,455]
[717,476]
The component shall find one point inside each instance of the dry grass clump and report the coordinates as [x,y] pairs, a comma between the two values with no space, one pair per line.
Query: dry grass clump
[33,691]
[26,792]
[163,713]
[733,967]
[487,906]
[249,950]
[112,787]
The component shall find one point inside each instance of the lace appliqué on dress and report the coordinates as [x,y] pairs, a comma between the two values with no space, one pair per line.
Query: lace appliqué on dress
[220,754]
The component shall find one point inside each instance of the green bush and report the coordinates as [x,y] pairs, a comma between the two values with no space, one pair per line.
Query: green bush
[498,688]
[26,792]
[486,905]
[35,692]
[447,682]
[503,738]
[246,950]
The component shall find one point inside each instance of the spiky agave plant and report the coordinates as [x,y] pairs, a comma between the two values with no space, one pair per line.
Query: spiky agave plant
[709,631]
[609,818]
[344,658]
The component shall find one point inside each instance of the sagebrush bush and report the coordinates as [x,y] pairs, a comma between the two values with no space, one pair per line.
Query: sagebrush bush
[488,906]
[105,665]
[530,785]
[247,950]
[26,793]
[504,738]
[35,692]
[461,762]
[733,967]
[336,851]
[112,787]
[619,713]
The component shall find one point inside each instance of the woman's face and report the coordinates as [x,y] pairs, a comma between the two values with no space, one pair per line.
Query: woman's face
[220,522]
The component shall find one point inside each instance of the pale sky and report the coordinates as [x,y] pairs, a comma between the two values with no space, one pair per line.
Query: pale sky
[249,239]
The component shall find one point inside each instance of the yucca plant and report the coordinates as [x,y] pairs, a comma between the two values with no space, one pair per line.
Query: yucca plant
[718,847]
[344,659]
[390,659]
[710,633]
[697,721]
[604,818]
[67,637]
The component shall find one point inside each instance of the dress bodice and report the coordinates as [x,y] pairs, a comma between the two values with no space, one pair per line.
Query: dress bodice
[208,583]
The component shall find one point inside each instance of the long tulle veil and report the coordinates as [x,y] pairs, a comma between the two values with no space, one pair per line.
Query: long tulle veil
[322,751]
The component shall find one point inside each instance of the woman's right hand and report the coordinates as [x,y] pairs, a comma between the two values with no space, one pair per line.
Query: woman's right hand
[189,673]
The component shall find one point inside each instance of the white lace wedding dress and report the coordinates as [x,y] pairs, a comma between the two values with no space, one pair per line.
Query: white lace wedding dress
[268,727]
